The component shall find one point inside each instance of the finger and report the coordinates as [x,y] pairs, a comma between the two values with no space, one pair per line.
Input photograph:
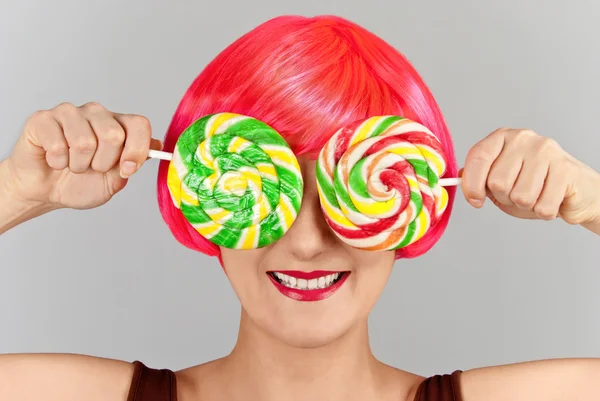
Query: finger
[111,138]
[115,181]
[553,193]
[492,198]
[511,210]
[138,136]
[504,172]
[477,166]
[46,133]
[529,184]
[155,144]
[79,135]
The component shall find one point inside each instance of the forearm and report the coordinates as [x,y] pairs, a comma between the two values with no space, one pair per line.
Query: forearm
[13,210]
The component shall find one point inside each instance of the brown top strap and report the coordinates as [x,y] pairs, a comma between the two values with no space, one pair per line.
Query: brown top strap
[152,384]
[440,388]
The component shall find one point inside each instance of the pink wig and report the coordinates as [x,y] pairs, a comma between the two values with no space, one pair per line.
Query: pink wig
[306,78]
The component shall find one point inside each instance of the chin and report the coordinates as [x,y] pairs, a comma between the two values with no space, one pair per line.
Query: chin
[308,334]
[308,324]
[301,317]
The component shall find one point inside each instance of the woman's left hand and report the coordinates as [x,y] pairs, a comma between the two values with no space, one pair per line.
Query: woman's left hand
[529,176]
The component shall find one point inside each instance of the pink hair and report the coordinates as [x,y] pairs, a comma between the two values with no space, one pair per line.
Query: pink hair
[306,78]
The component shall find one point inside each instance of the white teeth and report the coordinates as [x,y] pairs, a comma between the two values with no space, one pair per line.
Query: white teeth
[302,284]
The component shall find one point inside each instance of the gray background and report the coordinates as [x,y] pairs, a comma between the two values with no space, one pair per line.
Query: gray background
[113,282]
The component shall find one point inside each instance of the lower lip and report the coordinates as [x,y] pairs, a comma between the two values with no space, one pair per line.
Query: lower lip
[318,294]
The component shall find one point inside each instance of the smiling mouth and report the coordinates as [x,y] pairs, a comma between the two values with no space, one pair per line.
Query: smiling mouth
[308,287]
[317,283]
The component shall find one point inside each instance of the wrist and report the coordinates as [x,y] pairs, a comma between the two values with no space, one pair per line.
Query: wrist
[593,225]
[14,209]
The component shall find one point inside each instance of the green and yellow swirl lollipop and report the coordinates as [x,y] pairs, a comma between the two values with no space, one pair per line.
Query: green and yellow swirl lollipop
[236,180]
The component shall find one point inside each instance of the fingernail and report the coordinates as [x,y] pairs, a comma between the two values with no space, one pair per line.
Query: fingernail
[128,168]
[476,202]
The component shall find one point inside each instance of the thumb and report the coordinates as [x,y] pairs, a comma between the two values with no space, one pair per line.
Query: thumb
[115,181]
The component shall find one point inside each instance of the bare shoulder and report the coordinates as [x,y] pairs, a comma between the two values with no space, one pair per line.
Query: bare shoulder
[544,380]
[201,382]
[403,384]
[64,377]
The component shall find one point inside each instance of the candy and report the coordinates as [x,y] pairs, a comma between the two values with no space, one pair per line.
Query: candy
[236,181]
[378,182]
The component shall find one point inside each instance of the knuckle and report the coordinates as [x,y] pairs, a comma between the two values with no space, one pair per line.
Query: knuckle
[479,154]
[522,199]
[548,144]
[39,117]
[505,134]
[114,136]
[100,167]
[93,106]
[57,164]
[57,149]
[85,145]
[544,212]
[527,133]
[140,123]
[502,131]
[66,108]
[498,185]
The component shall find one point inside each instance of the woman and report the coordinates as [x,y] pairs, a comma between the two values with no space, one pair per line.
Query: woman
[305,77]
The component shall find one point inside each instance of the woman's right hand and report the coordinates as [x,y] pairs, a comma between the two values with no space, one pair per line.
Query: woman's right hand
[78,157]
[68,157]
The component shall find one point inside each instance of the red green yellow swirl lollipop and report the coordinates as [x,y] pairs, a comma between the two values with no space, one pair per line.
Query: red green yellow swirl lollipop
[379,182]
[236,180]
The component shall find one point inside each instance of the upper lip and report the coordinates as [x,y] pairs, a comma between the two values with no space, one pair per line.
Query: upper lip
[307,275]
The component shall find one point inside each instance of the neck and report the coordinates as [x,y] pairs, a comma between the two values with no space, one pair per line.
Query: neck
[344,369]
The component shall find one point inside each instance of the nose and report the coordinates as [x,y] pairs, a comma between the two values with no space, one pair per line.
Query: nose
[310,235]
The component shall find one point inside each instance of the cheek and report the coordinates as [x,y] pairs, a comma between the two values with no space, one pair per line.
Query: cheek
[374,270]
[242,270]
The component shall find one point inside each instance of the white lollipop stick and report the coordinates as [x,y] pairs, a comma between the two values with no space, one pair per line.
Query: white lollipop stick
[158,154]
[450,182]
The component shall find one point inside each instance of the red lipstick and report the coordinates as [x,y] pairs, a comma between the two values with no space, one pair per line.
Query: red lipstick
[306,295]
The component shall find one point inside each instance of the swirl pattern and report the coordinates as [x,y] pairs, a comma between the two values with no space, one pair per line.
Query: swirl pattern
[236,180]
[378,182]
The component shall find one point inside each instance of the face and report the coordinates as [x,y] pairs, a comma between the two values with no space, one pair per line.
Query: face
[308,288]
